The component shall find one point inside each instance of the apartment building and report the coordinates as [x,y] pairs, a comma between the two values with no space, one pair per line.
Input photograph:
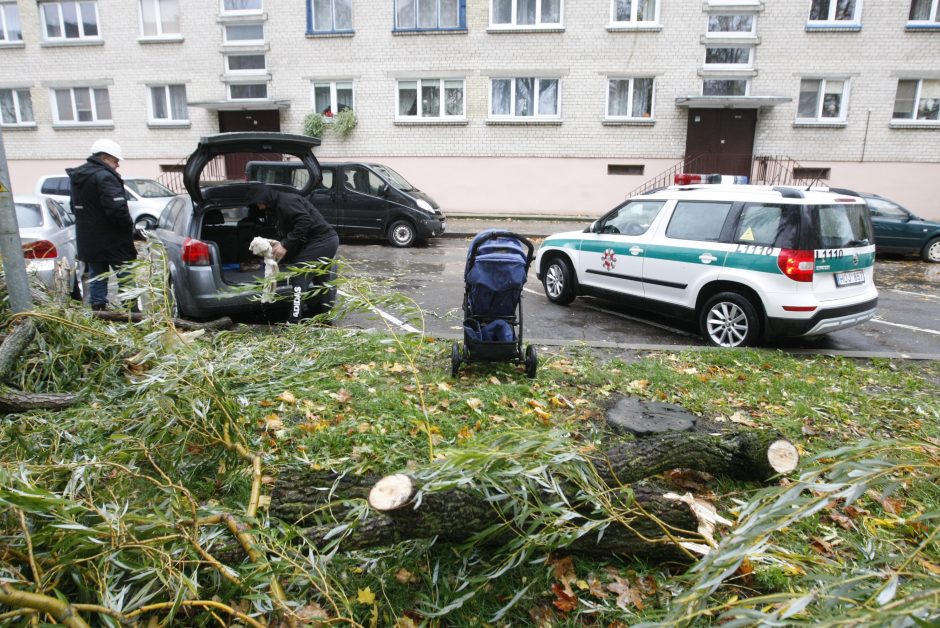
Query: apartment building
[552,106]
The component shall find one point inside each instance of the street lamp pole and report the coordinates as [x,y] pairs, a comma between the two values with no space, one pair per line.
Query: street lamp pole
[11,249]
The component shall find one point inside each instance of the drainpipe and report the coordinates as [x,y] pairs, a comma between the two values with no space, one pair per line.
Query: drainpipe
[865,139]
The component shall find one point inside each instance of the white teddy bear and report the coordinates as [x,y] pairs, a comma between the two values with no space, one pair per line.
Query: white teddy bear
[262,247]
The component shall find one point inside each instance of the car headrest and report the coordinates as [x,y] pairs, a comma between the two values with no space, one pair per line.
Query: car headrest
[213,217]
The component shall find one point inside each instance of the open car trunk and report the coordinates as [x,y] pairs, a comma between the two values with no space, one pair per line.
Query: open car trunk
[231,230]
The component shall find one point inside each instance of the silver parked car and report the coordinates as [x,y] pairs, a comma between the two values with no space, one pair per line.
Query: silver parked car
[207,232]
[47,232]
[146,197]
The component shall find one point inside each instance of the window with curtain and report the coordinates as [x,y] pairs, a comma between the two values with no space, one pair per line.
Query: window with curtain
[10,28]
[330,97]
[81,105]
[833,11]
[431,99]
[159,18]
[430,15]
[633,11]
[822,99]
[237,34]
[532,13]
[248,91]
[527,97]
[16,108]
[917,100]
[330,16]
[168,104]
[925,11]
[69,20]
[630,98]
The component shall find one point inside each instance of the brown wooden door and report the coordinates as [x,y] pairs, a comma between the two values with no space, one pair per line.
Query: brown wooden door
[234,121]
[720,141]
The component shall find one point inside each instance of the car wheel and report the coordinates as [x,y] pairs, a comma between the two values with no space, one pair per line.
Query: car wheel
[730,320]
[145,222]
[531,362]
[454,359]
[401,233]
[559,281]
[175,310]
[931,252]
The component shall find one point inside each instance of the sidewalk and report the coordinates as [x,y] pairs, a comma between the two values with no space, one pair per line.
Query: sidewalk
[468,225]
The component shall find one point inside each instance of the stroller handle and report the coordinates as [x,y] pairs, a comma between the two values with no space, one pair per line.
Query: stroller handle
[499,233]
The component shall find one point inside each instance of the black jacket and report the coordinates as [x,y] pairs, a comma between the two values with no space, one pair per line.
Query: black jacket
[298,221]
[104,229]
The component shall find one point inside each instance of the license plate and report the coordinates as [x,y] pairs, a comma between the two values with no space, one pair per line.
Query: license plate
[851,278]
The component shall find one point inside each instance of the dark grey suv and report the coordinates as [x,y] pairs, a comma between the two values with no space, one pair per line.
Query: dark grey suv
[207,232]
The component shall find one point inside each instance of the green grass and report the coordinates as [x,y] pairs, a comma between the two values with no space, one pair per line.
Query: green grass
[165,430]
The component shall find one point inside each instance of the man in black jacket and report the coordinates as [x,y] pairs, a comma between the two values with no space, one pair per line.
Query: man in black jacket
[304,237]
[103,225]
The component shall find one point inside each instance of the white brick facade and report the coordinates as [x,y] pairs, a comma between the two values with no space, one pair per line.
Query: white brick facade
[866,150]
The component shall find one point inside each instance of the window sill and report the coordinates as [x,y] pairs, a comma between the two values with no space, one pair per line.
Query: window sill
[405,32]
[180,124]
[832,27]
[246,79]
[913,27]
[61,126]
[525,29]
[634,28]
[733,5]
[820,124]
[242,17]
[26,126]
[730,40]
[427,122]
[628,122]
[69,44]
[13,44]
[914,124]
[330,34]
[523,122]
[163,39]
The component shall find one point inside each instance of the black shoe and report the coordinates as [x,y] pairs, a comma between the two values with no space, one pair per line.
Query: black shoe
[99,307]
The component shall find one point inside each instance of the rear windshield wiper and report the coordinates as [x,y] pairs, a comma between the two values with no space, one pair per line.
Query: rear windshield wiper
[864,242]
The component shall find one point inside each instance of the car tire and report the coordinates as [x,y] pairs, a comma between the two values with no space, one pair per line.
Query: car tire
[558,281]
[148,223]
[402,234]
[176,310]
[931,251]
[730,320]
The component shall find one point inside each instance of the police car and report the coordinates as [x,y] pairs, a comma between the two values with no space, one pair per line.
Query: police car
[748,263]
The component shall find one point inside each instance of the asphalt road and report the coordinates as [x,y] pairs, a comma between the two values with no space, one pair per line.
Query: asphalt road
[908,323]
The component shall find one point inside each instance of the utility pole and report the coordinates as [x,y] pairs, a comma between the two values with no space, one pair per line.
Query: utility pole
[11,249]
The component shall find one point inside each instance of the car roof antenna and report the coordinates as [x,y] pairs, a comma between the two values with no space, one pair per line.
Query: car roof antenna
[814,181]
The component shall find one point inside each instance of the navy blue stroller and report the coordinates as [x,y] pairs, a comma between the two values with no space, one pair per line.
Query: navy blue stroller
[497,264]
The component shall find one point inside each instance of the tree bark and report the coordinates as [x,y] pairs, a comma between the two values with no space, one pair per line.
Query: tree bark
[15,401]
[14,344]
[136,317]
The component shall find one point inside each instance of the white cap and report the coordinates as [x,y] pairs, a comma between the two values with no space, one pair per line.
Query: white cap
[109,147]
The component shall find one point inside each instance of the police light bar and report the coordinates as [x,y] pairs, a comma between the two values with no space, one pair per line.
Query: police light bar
[688,179]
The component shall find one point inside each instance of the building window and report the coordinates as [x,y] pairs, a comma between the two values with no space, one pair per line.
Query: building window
[630,98]
[244,64]
[430,14]
[241,6]
[330,16]
[525,97]
[16,108]
[168,104]
[927,11]
[81,105]
[634,11]
[331,97]
[725,87]
[69,20]
[834,10]
[10,28]
[244,34]
[728,56]
[159,18]
[525,12]
[248,91]
[822,100]
[917,100]
[431,99]
[731,26]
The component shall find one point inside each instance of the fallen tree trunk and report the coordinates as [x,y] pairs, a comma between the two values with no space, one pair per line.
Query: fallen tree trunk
[136,317]
[16,401]
[14,344]
[457,515]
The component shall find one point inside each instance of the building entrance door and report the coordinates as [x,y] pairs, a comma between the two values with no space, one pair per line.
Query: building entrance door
[234,121]
[720,141]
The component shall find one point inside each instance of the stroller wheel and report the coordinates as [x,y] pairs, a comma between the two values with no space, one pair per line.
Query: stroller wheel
[531,361]
[454,359]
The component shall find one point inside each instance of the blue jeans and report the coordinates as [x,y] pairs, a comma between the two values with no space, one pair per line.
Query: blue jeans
[98,284]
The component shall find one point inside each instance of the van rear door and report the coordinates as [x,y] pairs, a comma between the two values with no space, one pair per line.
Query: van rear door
[844,251]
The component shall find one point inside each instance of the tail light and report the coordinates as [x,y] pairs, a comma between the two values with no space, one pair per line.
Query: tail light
[797,265]
[41,249]
[195,252]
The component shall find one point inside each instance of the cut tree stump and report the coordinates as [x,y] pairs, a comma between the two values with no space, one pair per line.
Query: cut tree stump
[641,418]
[457,515]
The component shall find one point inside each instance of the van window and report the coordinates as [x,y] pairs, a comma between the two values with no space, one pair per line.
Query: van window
[632,218]
[28,215]
[56,185]
[768,224]
[363,180]
[841,226]
[326,179]
[697,220]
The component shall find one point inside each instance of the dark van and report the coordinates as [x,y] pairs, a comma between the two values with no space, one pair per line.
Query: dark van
[361,199]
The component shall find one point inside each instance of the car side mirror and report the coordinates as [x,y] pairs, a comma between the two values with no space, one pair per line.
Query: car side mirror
[593,227]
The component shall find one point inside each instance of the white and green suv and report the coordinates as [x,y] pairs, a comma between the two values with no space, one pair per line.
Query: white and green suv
[748,263]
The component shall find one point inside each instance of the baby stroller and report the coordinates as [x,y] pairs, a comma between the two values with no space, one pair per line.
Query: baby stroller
[497,264]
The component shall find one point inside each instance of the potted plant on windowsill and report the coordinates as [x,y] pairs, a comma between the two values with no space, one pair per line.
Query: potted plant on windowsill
[314,124]
[344,121]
